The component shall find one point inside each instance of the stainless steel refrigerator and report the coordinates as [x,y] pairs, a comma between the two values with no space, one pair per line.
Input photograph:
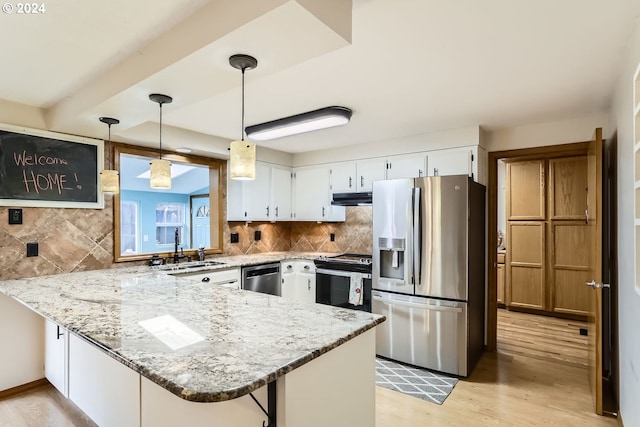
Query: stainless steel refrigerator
[429,271]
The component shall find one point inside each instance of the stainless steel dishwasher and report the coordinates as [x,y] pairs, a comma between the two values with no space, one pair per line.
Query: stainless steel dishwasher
[263,278]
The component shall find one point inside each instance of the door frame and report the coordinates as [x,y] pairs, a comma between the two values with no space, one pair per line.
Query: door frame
[577,148]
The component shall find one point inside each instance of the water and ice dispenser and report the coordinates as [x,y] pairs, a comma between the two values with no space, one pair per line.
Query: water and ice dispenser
[392,258]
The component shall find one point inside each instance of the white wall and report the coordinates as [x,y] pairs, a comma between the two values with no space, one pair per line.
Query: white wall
[628,298]
[551,133]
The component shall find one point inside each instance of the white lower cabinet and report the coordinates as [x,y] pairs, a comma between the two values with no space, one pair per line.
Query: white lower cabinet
[298,280]
[56,356]
[103,388]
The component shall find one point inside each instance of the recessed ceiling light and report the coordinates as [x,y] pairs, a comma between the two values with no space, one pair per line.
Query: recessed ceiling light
[183,150]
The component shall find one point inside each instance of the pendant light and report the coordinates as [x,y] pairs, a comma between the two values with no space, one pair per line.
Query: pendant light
[160,169]
[109,178]
[242,160]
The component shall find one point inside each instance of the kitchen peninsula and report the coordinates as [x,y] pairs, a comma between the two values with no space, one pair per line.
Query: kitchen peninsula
[151,349]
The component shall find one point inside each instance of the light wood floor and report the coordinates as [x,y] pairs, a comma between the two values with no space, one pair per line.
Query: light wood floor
[536,378]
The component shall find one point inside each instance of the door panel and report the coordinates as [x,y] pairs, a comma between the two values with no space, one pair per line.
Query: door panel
[526,264]
[570,263]
[526,190]
[568,187]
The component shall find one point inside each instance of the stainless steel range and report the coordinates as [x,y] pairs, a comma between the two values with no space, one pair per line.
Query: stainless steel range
[344,281]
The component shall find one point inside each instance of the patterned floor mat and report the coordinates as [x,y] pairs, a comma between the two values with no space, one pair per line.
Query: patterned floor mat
[413,381]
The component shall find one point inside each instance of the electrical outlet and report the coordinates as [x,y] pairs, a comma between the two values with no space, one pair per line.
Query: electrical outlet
[235,238]
[332,237]
[15,216]
[257,235]
[32,249]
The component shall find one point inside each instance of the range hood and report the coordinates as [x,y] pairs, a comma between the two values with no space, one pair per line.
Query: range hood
[352,199]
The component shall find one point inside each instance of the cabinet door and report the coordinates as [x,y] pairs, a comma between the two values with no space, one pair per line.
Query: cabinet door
[369,171]
[288,282]
[56,356]
[280,193]
[501,283]
[405,167]
[526,257]
[235,200]
[312,194]
[526,190]
[570,267]
[307,287]
[343,177]
[256,194]
[449,162]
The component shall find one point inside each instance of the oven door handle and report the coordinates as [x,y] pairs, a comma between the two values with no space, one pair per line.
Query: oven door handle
[341,273]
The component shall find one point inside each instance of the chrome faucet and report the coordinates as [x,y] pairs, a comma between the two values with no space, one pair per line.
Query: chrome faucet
[201,253]
[176,256]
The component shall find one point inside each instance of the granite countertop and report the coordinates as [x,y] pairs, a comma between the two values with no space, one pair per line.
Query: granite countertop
[221,343]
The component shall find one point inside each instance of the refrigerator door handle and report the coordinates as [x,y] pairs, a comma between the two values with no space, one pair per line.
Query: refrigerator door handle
[417,239]
[390,301]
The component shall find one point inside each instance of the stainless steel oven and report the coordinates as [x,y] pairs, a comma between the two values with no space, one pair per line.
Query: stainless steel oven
[344,281]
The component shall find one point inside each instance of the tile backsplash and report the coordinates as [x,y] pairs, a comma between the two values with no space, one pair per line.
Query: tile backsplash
[353,235]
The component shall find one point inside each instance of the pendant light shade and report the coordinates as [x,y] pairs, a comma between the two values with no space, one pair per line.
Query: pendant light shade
[242,158]
[109,178]
[160,172]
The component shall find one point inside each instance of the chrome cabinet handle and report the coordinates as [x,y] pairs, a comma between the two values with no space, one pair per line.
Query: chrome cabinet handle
[323,212]
[435,171]
[350,179]
[419,173]
[267,210]
[361,181]
[58,332]
[276,212]
[308,284]
[596,285]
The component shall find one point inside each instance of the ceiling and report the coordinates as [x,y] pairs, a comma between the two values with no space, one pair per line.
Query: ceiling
[404,67]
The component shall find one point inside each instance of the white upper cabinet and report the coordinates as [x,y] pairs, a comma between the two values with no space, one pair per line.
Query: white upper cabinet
[280,193]
[343,177]
[312,200]
[368,171]
[257,194]
[450,162]
[399,167]
[470,161]
[266,198]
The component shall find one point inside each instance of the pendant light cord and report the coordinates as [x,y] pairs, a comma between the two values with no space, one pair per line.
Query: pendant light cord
[160,130]
[242,122]
[109,149]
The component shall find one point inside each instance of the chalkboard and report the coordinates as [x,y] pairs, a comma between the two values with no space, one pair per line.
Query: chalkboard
[46,169]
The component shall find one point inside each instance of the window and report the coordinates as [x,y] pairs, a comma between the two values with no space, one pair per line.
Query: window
[169,218]
[129,227]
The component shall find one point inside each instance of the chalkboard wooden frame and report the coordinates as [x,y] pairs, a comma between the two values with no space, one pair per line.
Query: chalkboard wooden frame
[46,169]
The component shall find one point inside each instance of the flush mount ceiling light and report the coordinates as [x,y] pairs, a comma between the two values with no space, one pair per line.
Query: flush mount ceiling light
[109,178]
[160,169]
[306,122]
[242,159]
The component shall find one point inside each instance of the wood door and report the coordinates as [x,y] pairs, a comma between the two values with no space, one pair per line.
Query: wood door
[594,219]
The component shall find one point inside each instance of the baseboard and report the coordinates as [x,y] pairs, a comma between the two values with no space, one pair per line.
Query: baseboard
[10,392]
[619,419]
